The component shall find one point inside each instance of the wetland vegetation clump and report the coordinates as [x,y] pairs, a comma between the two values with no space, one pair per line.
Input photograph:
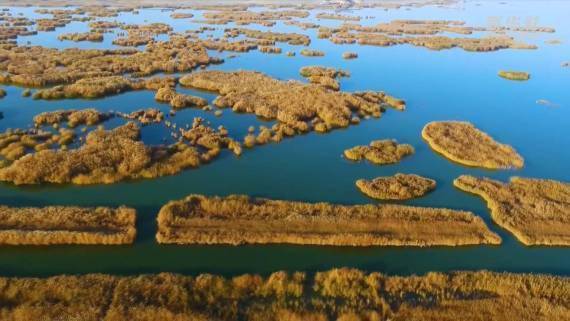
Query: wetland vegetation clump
[381,152]
[244,17]
[397,187]
[333,16]
[89,117]
[514,75]
[338,294]
[312,53]
[290,38]
[462,142]
[239,219]
[38,66]
[534,210]
[84,36]
[66,225]
[179,101]
[349,55]
[269,49]
[145,116]
[105,157]
[324,76]
[14,144]
[2,93]
[102,86]
[295,105]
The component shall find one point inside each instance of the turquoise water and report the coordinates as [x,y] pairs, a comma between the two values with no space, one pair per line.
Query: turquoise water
[437,85]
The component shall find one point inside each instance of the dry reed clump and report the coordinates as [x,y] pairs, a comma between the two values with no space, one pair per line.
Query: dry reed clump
[14,144]
[2,93]
[324,76]
[213,140]
[39,66]
[332,16]
[225,45]
[534,210]
[386,151]
[244,17]
[269,49]
[464,143]
[293,104]
[144,116]
[89,117]
[397,187]
[425,33]
[239,219]
[339,294]
[181,15]
[66,225]
[349,55]
[105,157]
[102,86]
[290,38]
[312,53]
[514,75]
[85,36]
[178,101]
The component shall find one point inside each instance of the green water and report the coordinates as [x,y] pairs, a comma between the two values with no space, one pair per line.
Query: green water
[437,85]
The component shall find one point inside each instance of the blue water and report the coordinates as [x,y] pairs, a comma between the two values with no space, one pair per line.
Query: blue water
[437,85]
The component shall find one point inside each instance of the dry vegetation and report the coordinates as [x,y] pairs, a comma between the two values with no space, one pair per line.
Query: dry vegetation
[290,38]
[426,33]
[380,152]
[66,225]
[349,55]
[240,219]
[178,101]
[102,86]
[464,143]
[85,36]
[73,117]
[536,211]
[14,144]
[312,53]
[397,187]
[106,157]
[514,75]
[332,16]
[324,76]
[298,107]
[244,17]
[339,294]
[38,66]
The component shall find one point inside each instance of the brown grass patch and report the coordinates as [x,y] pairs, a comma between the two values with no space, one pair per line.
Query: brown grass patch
[106,157]
[514,75]
[238,219]
[82,36]
[397,187]
[380,152]
[534,210]
[339,294]
[464,143]
[89,117]
[295,105]
[102,86]
[66,225]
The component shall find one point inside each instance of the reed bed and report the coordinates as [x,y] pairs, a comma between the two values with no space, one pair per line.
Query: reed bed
[239,219]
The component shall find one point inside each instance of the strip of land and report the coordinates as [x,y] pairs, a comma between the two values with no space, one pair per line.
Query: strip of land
[464,143]
[66,225]
[334,295]
[239,219]
[536,211]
